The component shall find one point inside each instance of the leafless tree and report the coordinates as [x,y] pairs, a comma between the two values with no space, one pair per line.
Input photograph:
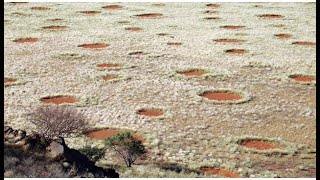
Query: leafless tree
[58,121]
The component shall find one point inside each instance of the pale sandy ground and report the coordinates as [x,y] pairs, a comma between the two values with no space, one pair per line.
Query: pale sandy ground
[193,132]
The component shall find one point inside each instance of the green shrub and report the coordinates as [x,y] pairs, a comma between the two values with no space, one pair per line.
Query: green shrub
[93,153]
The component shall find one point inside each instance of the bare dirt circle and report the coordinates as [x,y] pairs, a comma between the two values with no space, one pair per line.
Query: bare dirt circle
[105,133]
[259,144]
[112,7]
[231,27]
[59,99]
[26,40]
[221,96]
[90,12]
[9,80]
[227,40]
[40,8]
[94,45]
[108,65]
[283,36]
[150,112]
[109,77]
[133,29]
[302,78]
[236,51]
[192,72]
[270,16]
[149,15]
[304,43]
[221,172]
[54,27]
[213,6]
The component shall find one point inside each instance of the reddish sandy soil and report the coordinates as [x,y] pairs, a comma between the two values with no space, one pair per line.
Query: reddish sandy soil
[232,27]
[26,40]
[236,51]
[228,40]
[221,172]
[283,36]
[59,99]
[149,15]
[150,112]
[54,27]
[221,96]
[133,29]
[94,46]
[8,80]
[40,8]
[112,7]
[213,6]
[303,78]
[270,16]
[109,65]
[109,77]
[105,133]
[192,73]
[304,43]
[90,12]
[259,145]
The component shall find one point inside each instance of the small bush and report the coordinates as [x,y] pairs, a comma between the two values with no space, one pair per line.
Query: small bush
[93,153]
[126,146]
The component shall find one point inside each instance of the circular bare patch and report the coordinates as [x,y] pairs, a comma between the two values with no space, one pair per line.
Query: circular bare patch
[110,77]
[303,78]
[283,36]
[259,144]
[55,20]
[150,112]
[174,43]
[193,72]
[212,18]
[40,8]
[227,40]
[304,43]
[94,45]
[236,51]
[221,96]
[9,80]
[213,6]
[112,7]
[106,133]
[133,29]
[221,172]
[90,12]
[54,27]
[149,15]
[270,16]
[59,99]
[229,27]
[108,65]
[26,40]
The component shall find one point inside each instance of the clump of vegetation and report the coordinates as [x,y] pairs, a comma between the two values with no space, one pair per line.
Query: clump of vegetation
[93,153]
[58,121]
[126,146]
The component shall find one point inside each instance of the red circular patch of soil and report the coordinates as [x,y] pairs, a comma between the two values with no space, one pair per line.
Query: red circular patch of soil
[40,8]
[9,80]
[228,40]
[221,96]
[303,78]
[271,16]
[133,29]
[59,99]
[304,43]
[54,27]
[112,7]
[90,12]
[259,144]
[213,6]
[193,73]
[232,27]
[108,65]
[149,15]
[236,51]
[94,45]
[150,112]
[212,18]
[174,43]
[26,40]
[221,172]
[283,36]
[105,133]
[109,77]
